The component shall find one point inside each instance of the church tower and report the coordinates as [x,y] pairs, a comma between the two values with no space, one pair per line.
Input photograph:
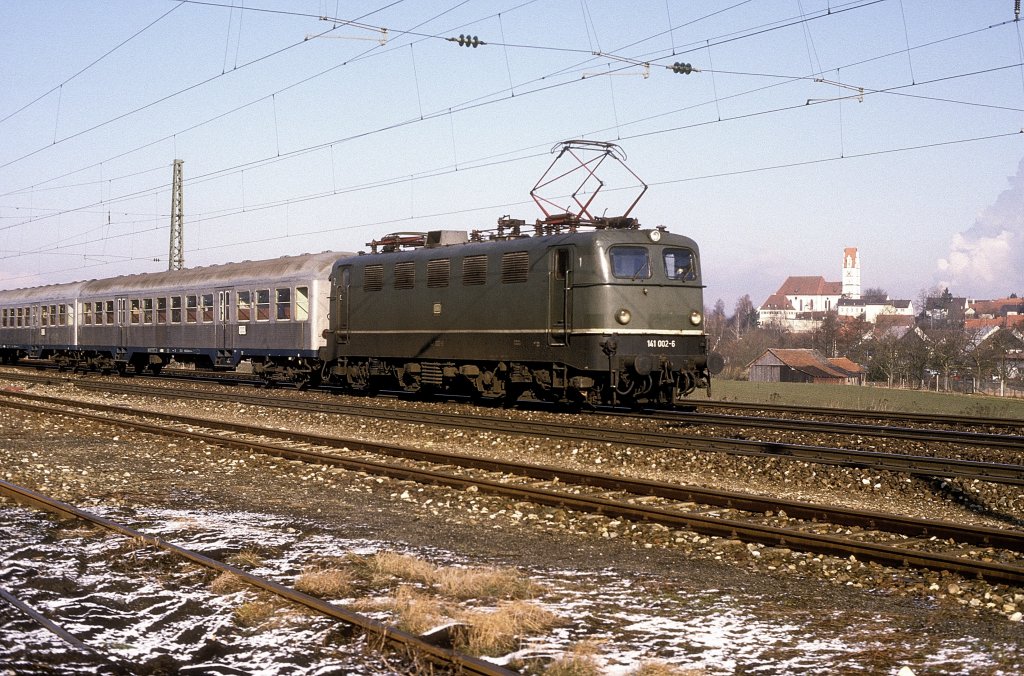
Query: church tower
[851,273]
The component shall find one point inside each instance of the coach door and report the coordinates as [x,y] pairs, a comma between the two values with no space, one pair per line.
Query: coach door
[560,296]
[122,322]
[225,338]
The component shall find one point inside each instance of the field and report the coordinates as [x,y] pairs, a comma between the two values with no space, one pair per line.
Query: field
[863,397]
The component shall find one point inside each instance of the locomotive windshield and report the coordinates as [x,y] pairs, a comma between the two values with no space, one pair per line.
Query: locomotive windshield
[680,264]
[630,262]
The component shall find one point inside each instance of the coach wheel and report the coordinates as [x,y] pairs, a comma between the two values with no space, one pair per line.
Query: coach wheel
[155,369]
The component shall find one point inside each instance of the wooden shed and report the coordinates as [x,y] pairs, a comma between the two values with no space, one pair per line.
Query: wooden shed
[779,365]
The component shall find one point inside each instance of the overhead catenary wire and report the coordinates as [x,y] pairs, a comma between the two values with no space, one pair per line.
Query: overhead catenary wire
[713,71]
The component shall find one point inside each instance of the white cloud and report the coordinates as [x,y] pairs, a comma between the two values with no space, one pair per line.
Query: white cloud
[987,260]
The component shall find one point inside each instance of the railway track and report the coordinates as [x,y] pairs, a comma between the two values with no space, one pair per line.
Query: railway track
[890,416]
[994,554]
[384,634]
[996,472]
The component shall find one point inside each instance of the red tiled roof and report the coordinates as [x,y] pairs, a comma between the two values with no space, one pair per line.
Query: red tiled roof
[809,286]
[810,362]
[847,365]
[979,324]
[777,301]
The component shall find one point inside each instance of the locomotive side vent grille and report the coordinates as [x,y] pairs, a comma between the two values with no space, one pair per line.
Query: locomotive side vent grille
[474,270]
[515,266]
[373,278]
[405,275]
[438,273]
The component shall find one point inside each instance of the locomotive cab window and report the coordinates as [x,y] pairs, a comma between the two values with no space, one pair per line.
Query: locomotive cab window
[680,264]
[630,262]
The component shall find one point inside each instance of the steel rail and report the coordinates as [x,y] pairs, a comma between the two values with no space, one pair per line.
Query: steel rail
[994,472]
[52,627]
[959,437]
[388,634]
[998,537]
[906,416]
[715,526]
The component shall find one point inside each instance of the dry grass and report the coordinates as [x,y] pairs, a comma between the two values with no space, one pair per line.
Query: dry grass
[581,661]
[657,668]
[253,613]
[499,631]
[485,583]
[227,583]
[413,610]
[248,558]
[451,581]
[325,582]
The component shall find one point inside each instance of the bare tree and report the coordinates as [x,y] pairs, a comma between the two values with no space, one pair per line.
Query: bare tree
[875,295]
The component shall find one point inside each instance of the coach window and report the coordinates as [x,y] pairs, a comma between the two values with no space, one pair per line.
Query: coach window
[284,304]
[46,316]
[301,303]
[244,310]
[630,262]
[136,313]
[161,310]
[86,313]
[207,307]
[147,310]
[474,270]
[110,313]
[3,318]
[680,264]
[191,309]
[263,305]
[175,309]
[67,315]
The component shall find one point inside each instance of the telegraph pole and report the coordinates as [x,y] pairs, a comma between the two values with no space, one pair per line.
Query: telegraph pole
[176,258]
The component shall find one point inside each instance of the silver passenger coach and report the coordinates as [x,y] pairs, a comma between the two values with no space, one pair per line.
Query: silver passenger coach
[271,312]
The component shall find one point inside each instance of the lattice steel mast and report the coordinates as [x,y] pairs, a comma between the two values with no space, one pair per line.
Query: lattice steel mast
[176,258]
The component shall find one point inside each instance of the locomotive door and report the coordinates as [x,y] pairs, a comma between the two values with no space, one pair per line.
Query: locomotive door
[340,311]
[225,339]
[560,296]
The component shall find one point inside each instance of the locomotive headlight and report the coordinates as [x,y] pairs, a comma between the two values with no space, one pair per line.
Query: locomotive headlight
[655,235]
[623,316]
[696,318]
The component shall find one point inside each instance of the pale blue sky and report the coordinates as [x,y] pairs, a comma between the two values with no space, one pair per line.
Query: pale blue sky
[293,144]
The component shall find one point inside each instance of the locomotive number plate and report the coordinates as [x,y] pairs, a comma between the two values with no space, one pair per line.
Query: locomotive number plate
[661,343]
